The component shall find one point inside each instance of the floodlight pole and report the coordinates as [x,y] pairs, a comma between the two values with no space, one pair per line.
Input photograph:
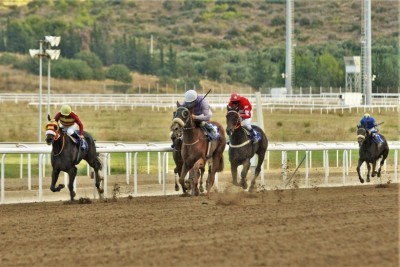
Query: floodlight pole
[40,91]
[48,86]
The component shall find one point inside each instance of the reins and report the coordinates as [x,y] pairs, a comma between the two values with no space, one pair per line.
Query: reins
[62,147]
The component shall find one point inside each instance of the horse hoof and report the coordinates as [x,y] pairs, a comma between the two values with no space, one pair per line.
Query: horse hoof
[101,190]
[368,180]
[176,188]
[59,187]
[378,174]
[361,181]
[201,189]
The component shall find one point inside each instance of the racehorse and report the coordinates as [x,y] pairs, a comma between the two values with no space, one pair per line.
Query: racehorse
[242,149]
[66,154]
[176,137]
[197,149]
[370,153]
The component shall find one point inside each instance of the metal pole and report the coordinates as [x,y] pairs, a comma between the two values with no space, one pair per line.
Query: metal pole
[48,88]
[40,91]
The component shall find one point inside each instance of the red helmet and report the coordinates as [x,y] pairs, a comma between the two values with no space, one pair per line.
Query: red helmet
[235,97]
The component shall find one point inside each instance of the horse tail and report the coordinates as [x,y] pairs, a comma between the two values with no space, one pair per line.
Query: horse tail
[221,164]
[98,163]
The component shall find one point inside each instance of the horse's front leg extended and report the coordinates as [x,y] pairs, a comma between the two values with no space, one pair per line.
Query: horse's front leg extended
[369,171]
[245,170]
[234,173]
[373,173]
[184,171]
[54,178]
[360,162]
[201,188]
[197,166]
[72,174]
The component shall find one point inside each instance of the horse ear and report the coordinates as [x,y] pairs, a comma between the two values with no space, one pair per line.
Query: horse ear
[228,107]
[48,117]
[177,104]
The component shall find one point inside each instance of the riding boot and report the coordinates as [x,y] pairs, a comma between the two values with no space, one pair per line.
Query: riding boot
[253,136]
[82,144]
[210,129]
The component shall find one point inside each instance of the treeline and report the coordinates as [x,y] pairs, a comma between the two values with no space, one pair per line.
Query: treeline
[91,51]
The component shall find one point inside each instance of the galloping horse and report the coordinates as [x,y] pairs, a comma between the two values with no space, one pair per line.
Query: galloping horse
[176,136]
[370,153]
[66,154]
[197,149]
[242,149]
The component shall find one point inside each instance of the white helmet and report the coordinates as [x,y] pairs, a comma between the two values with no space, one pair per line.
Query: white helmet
[190,96]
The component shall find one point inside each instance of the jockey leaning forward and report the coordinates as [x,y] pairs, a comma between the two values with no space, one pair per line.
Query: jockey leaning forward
[68,120]
[243,105]
[368,123]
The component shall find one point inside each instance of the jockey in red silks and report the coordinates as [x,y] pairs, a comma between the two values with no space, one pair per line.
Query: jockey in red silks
[68,120]
[245,110]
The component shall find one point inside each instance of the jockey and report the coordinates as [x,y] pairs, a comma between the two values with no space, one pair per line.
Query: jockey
[368,123]
[245,110]
[68,120]
[201,111]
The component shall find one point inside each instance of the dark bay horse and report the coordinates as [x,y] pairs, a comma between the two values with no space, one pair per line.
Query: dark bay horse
[66,154]
[197,149]
[370,153]
[242,149]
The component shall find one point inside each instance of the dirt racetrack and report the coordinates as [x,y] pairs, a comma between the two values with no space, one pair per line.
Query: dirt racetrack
[334,226]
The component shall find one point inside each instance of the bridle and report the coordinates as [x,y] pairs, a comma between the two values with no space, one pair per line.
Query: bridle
[237,124]
[185,122]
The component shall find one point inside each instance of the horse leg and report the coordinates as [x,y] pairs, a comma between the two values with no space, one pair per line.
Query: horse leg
[201,188]
[257,171]
[72,174]
[360,162]
[196,169]
[243,174]
[184,171]
[100,189]
[176,175]
[234,174]
[369,171]
[373,173]
[54,178]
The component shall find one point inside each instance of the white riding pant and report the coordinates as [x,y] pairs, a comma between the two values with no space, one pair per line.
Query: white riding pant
[69,129]
[247,123]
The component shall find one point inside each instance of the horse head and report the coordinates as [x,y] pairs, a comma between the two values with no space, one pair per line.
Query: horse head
[52,132]
[361,135]
[232,120]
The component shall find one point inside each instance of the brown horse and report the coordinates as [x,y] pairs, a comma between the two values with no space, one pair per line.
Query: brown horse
[197,149]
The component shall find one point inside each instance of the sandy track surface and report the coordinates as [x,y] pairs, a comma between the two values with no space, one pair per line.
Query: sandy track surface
[346,226]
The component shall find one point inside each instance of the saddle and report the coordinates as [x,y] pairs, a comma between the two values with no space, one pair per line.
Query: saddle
[258,135]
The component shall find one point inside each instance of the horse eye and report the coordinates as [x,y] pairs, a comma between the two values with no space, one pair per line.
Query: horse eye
[185,114]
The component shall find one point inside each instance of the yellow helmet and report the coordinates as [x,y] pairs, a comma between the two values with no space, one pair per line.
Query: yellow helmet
[366,115]
[65,110]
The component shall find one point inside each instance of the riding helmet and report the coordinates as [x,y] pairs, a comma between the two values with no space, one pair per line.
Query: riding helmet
[235,97]
[65,110]
[366,115]
[190,96]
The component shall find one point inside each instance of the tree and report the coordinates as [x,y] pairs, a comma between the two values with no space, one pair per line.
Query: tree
[328,71]
[120,73]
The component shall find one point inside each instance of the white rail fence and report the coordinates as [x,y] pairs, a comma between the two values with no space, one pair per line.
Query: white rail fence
[343,151]
[159,101]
